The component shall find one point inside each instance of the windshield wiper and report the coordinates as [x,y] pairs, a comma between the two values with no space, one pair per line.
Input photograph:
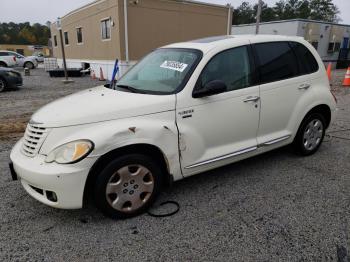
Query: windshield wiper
[131,89]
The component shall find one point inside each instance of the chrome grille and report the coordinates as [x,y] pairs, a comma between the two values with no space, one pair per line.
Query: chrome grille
[33,139]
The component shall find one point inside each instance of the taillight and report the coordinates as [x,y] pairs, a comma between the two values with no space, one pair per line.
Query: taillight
[335,99]
[14,58]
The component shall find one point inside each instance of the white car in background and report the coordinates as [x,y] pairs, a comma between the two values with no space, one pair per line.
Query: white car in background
[6,60]
[184,109]
[39,57]
[22,61]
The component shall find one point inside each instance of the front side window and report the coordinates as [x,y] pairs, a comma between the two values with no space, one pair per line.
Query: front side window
[106,29]
[231,66]
[306,60]
[66,40]
[164,71]
[276,61]
[79,35]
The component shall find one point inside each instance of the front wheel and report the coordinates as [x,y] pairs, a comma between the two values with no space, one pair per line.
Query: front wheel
[29,65]
[127,186]
[2,85]
[310,134]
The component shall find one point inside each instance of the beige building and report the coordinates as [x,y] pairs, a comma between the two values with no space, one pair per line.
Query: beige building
[98,33]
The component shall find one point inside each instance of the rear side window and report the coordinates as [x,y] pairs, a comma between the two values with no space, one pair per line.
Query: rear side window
[276,61]
[4,54]
[306,60]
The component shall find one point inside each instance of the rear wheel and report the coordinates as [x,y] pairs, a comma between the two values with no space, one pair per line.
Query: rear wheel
[2,64]
[310,134]
[127,186]
[28,65]
[3,85]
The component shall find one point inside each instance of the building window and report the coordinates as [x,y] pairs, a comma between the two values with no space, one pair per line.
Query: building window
[315,44]
[66,40]
[79,35]
[337,47]
[55,40]
[333,47]
[106,29]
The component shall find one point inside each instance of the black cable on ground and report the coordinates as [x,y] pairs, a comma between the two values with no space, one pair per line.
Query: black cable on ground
[166,214]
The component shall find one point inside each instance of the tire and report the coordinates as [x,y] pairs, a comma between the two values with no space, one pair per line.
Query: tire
[310,134]
[2,64]
[3,85]
[28,65]
[120,193]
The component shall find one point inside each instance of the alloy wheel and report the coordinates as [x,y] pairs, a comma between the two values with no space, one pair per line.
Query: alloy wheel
[313,134]
[129,188]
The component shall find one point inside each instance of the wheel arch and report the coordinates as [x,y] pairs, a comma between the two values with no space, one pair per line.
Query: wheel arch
[322,109]
[3,63]
[146,149]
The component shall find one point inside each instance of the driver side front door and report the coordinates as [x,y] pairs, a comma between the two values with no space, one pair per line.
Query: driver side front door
[219,129]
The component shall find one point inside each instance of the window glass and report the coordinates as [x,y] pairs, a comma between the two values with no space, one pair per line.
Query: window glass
[315,44]
[66,40]
[4,54]
[55,40]
[106,29]
[80,35]
[231,66]
[306,60]
[163,71]
[330,47]
[276,61]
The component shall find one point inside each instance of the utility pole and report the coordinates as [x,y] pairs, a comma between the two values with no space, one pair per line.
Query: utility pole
[258,17]
[59,27]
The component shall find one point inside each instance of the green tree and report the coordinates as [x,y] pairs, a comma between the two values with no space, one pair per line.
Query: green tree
[323,10]
[24,33]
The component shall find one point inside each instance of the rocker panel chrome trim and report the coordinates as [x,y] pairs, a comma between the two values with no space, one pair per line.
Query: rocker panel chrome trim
[237,153]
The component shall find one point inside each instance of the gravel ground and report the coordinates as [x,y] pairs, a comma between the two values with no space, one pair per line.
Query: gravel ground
[274,207]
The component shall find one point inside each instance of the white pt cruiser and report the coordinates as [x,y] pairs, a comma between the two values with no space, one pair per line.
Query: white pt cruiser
[183,109]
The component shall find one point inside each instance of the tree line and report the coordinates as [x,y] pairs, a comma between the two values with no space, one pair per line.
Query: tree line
[24,33]
[322,10]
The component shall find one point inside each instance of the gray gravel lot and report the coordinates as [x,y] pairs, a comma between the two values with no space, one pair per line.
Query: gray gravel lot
[274,207]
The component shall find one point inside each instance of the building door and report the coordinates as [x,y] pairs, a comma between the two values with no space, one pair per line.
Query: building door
[346,42]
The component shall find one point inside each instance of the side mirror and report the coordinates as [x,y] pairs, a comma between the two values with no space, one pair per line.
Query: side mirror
[211,88]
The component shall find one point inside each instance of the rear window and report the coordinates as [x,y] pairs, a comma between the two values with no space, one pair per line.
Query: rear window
[306,60]
[276,61]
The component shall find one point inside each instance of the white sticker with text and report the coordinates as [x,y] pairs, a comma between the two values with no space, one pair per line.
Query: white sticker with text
[173,65]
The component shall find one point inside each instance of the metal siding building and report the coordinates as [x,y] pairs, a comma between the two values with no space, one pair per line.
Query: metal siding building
[331,40]
[150,24]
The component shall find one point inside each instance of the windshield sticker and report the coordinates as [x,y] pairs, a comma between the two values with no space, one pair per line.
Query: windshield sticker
[173,65]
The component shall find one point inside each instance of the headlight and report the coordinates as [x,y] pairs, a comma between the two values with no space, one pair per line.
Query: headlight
[71,152]
[10,73]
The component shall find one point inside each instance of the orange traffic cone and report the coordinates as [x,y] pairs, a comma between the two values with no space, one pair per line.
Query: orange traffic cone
[93,75]
[329,71]
[347,78]
[101,75]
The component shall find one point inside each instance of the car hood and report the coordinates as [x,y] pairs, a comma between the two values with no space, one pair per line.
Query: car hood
[100,104]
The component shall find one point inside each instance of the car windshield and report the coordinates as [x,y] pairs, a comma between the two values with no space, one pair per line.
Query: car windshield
[164,71]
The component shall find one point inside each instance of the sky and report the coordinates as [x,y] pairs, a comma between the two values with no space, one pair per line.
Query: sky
[48,10]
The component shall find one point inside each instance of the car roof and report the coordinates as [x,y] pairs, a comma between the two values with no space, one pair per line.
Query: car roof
[208,43]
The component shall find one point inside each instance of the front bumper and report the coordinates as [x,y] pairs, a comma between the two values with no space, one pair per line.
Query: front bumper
[14,81]
[41,179]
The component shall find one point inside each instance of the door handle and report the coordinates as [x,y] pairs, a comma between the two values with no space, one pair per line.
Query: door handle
[304,86]
[251,99]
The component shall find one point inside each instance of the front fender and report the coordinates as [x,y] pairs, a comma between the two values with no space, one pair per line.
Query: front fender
[156,129]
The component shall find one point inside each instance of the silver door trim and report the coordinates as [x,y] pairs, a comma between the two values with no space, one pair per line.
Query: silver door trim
[237,153]
[271,142]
